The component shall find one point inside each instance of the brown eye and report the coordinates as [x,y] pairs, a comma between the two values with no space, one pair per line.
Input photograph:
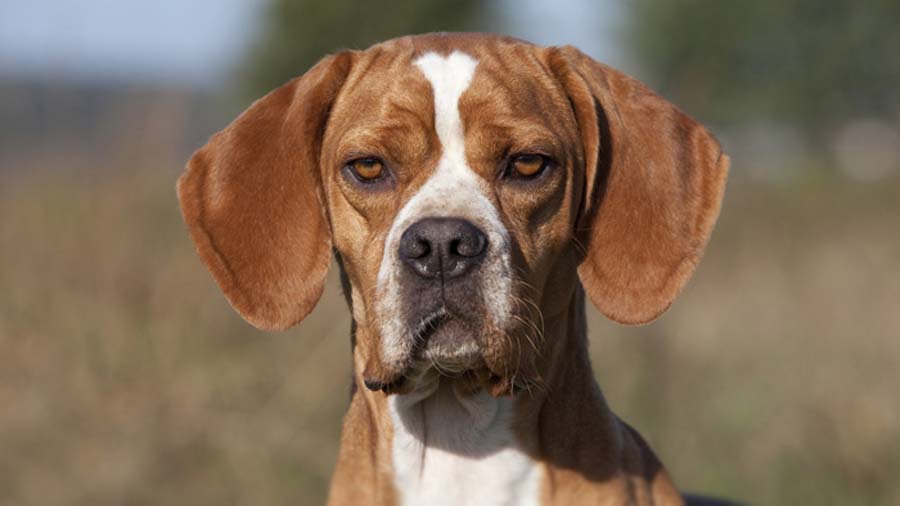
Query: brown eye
[367,169]
[529,165]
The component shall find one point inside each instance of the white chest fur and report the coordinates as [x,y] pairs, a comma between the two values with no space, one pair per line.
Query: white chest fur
[451,449]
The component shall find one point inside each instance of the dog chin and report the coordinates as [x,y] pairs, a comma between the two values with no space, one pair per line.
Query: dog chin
[449,346]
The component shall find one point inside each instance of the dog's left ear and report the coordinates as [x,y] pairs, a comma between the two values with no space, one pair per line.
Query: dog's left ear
[653,185]
[252,200]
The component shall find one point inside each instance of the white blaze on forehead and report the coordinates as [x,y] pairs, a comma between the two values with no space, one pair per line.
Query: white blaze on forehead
[453,190]
[449,76]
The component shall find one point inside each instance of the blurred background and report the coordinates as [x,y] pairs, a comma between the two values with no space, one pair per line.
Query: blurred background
[125,378]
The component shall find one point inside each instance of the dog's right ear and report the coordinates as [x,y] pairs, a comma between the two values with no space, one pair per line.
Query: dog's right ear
[252,200]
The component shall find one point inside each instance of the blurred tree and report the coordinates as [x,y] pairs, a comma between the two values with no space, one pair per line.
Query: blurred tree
[297,33]
[813,64]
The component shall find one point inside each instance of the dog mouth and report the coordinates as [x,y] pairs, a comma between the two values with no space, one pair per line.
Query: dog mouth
[445,342]
[449,344]
[428,325]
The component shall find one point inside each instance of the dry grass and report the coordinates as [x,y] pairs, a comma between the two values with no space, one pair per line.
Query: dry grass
[126,379]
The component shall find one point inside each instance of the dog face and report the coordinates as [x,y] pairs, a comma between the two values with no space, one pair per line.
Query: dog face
[449,246]
[465,183]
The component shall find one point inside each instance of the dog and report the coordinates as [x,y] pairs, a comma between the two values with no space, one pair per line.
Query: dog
[474,189]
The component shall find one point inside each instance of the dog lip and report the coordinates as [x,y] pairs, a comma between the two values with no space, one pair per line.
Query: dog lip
[373,385]
[389,387]
[428,325]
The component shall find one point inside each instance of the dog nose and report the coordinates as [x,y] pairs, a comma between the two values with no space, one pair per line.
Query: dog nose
[442,247]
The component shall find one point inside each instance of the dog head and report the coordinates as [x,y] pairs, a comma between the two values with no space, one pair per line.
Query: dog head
[465,184]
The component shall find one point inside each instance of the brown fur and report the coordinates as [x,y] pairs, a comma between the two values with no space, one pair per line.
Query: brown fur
[251,199]
[627,211]
[655,184]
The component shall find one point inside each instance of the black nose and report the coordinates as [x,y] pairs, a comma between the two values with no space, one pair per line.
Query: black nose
[442,247]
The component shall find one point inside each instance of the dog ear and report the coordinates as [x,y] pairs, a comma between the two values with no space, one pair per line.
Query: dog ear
[251,198]
[654,180]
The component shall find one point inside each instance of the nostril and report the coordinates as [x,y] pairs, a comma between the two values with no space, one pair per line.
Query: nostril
[418,248]
[442,247]
[469,245]
[414,246]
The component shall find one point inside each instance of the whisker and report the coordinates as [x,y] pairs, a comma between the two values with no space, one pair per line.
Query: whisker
[527,336]
[582,249]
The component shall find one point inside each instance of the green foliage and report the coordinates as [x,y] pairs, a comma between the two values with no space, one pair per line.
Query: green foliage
[297,33]
[810,63]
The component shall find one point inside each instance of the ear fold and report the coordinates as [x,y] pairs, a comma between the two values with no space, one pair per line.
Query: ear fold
[251,198]
[654,185]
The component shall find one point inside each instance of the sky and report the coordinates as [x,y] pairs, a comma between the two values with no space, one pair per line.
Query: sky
[185,41]
[196,42]
[574,22]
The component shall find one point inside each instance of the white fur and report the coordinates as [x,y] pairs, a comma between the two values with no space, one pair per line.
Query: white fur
[454,189]
[456,449]
[450,448]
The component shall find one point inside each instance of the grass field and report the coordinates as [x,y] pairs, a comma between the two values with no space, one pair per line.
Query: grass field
[125,378]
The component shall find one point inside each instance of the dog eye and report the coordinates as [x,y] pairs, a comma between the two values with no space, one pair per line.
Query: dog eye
[528,165]
[367,169]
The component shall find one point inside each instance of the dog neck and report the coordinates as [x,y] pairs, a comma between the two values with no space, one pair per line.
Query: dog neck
[452,446]
[445,444]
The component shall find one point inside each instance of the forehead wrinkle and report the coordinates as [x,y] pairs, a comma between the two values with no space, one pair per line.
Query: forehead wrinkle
[374,137]
[516,100]
[404,117]
[371,65]
[390,119]
[494,133]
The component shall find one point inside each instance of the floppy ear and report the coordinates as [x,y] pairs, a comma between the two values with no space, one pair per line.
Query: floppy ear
[654,180]
[251,198]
